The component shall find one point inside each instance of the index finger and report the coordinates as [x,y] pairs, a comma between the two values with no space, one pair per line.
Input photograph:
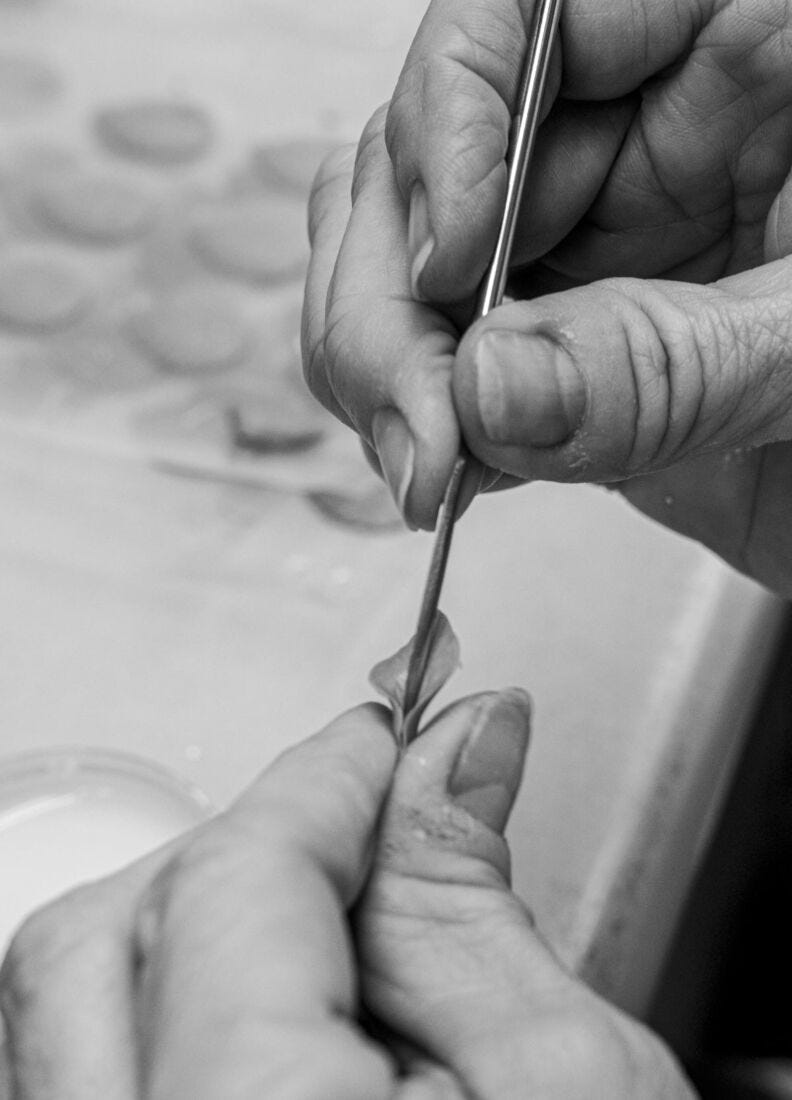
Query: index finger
[449,120]
[248,985]
[384,359]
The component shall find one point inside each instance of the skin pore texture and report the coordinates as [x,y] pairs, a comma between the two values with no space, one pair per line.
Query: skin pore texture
[647,348]
[344,931]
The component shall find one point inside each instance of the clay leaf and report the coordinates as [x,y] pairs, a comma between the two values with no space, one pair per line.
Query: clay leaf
[389,677]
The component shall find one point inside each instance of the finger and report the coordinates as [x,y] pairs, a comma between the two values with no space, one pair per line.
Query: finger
[625,377]
[445,946]
[385,358]
[450,959]
[249,984]
[450,116]
[778,229]
[328,214]
[66,994]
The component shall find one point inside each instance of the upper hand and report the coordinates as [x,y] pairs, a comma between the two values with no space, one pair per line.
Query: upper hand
[658,230]
[235,962]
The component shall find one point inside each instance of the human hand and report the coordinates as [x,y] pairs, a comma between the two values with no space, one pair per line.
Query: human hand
[462,986]
[225,965]
[659,205]
[220,966]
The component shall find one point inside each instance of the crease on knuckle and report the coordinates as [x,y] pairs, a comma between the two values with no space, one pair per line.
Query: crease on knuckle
[477,67]
[663,346]
[491,47]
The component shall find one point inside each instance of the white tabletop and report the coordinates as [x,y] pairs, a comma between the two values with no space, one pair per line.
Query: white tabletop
[207,622]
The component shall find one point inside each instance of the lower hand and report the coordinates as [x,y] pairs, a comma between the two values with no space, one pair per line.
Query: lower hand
[235,962]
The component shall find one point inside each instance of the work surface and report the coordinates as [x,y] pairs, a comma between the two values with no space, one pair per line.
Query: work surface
[168,589]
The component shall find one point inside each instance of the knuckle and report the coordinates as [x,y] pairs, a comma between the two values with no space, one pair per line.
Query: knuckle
[343,332]
[371,151]
[56,936]
[467,89]
[399,133]
[334,169]
[182,886]
[600,1044]
[492,46]
[314,367]
[596,1047]
[662,348]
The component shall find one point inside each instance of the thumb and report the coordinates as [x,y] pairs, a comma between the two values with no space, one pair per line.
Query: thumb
[624,377]
[447,952]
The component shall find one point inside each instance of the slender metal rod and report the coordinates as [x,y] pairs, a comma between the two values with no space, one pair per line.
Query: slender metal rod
[523,139]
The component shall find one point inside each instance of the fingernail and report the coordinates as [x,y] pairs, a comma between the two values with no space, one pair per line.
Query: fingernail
[487,773]
[472,482]
[530,392]
[396,452]
[420,239]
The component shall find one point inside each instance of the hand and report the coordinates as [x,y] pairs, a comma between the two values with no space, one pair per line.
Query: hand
[228,965]
[222,966]
[659,230]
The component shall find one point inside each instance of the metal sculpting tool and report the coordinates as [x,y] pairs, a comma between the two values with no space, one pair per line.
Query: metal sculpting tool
[523,138]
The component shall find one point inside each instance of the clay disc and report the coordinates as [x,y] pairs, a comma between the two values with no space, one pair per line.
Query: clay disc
[191,332]
[92,208]
[259,242]
[368,507]
[155,131]
[38,294]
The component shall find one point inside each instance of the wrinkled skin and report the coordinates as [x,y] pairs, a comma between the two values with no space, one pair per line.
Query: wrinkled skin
[654,253]
[234,962]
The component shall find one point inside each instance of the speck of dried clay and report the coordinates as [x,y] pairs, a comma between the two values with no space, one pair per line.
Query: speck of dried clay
[440,823]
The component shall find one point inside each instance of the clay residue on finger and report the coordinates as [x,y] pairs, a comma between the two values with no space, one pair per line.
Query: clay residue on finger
[389,677]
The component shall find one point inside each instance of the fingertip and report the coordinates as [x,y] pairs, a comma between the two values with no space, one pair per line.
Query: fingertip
[416,466]
[527,388]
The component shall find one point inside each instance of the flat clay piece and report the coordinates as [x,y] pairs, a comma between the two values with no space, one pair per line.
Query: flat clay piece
[257,241]
[272,426]
[289,166]
[175,431]
[101,363]
[95,209]
[369,508]
[26,83]
[155,132]
[389,677]
[191,332]
[39,295]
